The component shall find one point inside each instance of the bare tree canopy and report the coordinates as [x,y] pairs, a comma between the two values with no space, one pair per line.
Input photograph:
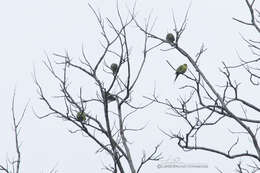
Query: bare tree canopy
[99,96]
[209,106]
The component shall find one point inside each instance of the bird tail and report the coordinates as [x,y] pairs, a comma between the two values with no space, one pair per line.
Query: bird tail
[176,77]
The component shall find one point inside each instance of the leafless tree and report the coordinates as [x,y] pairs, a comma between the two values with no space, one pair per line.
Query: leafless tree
[210,105]
[102,116]
[13,165]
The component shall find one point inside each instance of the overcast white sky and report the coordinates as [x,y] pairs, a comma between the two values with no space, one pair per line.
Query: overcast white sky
[30,29]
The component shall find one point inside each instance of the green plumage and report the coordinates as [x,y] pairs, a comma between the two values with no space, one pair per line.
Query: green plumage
[170,38]
[81,116]
[181,70]
[114,68]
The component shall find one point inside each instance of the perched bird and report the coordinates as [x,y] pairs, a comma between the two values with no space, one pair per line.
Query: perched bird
[170,38]
[110,97]
[180,70]
[114,68]
[81,116]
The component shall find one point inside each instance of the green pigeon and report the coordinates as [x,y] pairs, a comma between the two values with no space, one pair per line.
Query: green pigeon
[110,97]
[170,38]
[114,68]
[81,116]
[180,70]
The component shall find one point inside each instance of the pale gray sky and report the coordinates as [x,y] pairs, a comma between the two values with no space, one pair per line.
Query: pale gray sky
[30,29]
